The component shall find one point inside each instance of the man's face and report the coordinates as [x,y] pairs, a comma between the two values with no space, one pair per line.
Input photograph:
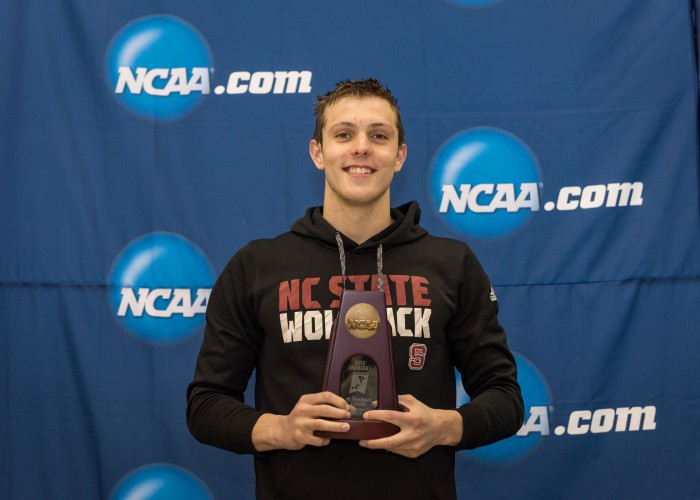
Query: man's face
[360,151]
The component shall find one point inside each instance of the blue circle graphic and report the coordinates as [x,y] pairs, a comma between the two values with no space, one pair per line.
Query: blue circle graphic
[155,67]
[160,482]
[536,393]
[484,183]
[159,286]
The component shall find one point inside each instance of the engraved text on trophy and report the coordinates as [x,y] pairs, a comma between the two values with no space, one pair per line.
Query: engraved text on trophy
[359,383]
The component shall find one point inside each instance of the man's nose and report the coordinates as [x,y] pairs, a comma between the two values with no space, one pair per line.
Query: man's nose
[361,145]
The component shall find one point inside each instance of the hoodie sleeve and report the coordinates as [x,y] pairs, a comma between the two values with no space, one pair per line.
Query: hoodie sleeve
[489,374]
[216,412]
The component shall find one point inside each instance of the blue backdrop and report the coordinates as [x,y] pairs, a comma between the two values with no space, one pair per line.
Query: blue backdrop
[143,143]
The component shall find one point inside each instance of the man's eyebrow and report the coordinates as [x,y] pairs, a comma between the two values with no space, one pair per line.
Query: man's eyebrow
[344,124]
[352,125]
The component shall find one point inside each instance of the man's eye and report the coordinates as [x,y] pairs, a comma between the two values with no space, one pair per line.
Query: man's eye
[342,135]
[380,137]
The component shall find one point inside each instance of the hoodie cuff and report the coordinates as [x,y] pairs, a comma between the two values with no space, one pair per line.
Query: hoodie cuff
[239,431]
[474,427]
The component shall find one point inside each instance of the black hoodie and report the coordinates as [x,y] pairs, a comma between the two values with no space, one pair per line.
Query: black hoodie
[271,310]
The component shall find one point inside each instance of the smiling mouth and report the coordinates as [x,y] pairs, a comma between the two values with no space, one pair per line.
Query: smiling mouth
[358,170]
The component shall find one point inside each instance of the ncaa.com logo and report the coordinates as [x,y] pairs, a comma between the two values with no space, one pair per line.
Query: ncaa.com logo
[539,419]
[159,287]
[486,183]
[160,67]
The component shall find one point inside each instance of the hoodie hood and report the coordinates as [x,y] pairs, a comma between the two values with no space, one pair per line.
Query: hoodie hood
[404,229]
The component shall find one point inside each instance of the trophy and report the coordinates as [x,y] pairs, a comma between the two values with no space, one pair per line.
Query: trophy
[360,365]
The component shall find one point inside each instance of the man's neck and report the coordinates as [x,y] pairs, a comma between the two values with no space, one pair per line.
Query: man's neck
[358,223]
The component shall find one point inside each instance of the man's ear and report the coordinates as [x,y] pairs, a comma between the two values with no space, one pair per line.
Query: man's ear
[316,154]
[400,157]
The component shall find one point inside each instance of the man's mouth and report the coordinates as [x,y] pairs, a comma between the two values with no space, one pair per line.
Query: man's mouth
[358,170]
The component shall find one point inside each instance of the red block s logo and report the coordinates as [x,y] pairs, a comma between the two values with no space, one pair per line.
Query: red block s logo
[416,356]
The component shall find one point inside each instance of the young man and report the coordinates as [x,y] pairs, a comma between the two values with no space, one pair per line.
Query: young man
[271,310]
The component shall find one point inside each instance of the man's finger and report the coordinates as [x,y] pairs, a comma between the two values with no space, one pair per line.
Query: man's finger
[329,426]
[325,398]
[324,411]
[387,443]
[407,401]
[391,416]
[318,441]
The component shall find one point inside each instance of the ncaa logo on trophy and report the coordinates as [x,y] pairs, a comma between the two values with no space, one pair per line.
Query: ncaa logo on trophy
[362,321]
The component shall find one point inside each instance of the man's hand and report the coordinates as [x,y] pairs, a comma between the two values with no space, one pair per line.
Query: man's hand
[421,427]
[296,430]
